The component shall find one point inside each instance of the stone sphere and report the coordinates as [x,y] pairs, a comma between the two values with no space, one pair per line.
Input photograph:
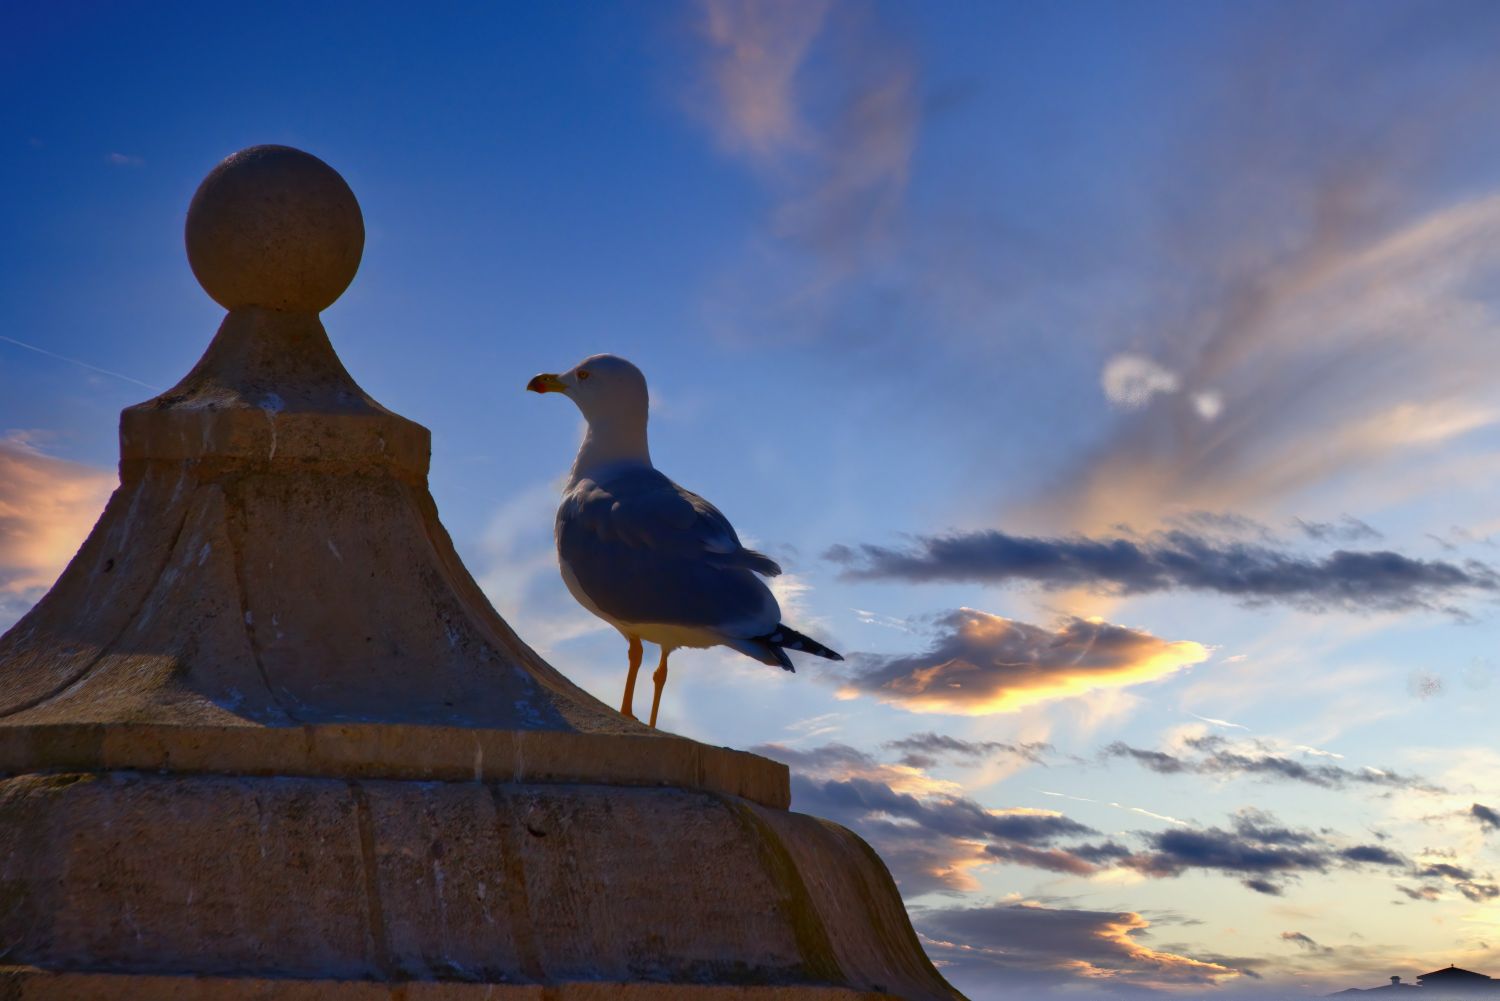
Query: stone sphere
[277,228]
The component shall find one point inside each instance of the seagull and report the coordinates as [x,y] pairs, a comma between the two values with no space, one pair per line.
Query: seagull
[656,561]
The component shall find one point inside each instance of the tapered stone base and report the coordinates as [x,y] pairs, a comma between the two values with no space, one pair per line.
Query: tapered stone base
[22,984]
[288,884]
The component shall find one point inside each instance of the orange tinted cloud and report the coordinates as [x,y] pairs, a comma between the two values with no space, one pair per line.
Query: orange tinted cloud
[758,49]
[47,507]
[1315,369]
[1025,945]
[981,664]
[822,100]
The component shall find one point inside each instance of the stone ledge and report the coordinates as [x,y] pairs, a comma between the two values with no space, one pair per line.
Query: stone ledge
[30,984]
[396,751]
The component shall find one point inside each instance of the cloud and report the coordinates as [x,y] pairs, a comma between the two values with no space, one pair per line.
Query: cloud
[1130,381]
[756,52]
[929,833]
[1474,887]
[1214,755]
[47,507]
[1477,892]
[123,160]
[1208,404]
[933,836]
[821,101]
[1303,941]
[1024,947]
[1175,560]
[1425,894]
[980,663]
[1487,817]
[1300,269]
[1257,849]
[923,750]
[1346,529]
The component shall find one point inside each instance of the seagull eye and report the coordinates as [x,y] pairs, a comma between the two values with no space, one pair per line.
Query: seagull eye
[582,376]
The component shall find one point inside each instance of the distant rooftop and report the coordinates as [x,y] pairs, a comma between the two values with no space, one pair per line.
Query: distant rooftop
[1450,981]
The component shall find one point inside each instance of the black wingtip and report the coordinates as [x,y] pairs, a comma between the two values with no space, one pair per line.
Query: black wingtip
[784,638]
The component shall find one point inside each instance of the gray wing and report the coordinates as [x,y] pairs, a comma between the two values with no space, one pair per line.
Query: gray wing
[645,550]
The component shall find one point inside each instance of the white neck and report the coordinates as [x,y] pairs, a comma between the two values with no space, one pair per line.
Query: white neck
[620,445]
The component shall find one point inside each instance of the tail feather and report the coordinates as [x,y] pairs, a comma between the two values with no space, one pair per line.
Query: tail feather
[784,638]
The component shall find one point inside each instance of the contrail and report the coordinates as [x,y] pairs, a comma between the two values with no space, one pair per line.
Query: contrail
[1219,722]
[80,364]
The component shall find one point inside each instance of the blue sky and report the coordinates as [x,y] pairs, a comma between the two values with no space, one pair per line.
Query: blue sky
[1115,381]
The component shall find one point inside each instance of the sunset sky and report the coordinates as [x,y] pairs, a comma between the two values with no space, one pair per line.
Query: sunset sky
[1119,384]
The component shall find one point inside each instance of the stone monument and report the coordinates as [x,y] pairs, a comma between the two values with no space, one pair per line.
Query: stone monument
[265,738]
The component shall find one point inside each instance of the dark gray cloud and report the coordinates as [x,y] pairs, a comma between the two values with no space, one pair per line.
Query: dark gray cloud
[1453,872]
[1264,827]
[1425,894]
[923,750]
[1027,947]
[1487,817]
[1304,941]
[1266,855]
[1264,865]
[1258,848]
[929,834]
[951,816]
[1175,560]
[1346,529]
[980,663]
[1218,756]
[1373,854]
[1475,890]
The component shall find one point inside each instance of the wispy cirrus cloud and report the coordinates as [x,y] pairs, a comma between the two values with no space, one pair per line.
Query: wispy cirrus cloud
[1304,273]
[820,101]
[1175,560]
[47,507]
[756,55]
[980,663]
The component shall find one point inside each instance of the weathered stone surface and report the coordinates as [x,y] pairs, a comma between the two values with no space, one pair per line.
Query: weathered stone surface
[339,879]
[394,751]
[39,985]
[274,227]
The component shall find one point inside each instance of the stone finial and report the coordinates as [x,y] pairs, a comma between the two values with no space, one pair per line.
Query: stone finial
[277,228]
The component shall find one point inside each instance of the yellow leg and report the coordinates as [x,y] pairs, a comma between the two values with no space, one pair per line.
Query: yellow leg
[635,665]
[660,677]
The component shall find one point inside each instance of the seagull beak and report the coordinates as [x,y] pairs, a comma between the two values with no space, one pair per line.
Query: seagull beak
[546,383]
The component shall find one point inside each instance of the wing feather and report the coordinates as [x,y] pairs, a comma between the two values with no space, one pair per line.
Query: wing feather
[646,550]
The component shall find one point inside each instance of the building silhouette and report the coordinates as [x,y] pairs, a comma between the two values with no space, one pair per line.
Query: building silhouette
[1448,982]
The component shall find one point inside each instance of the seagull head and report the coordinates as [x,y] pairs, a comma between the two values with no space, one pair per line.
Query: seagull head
[607,388]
